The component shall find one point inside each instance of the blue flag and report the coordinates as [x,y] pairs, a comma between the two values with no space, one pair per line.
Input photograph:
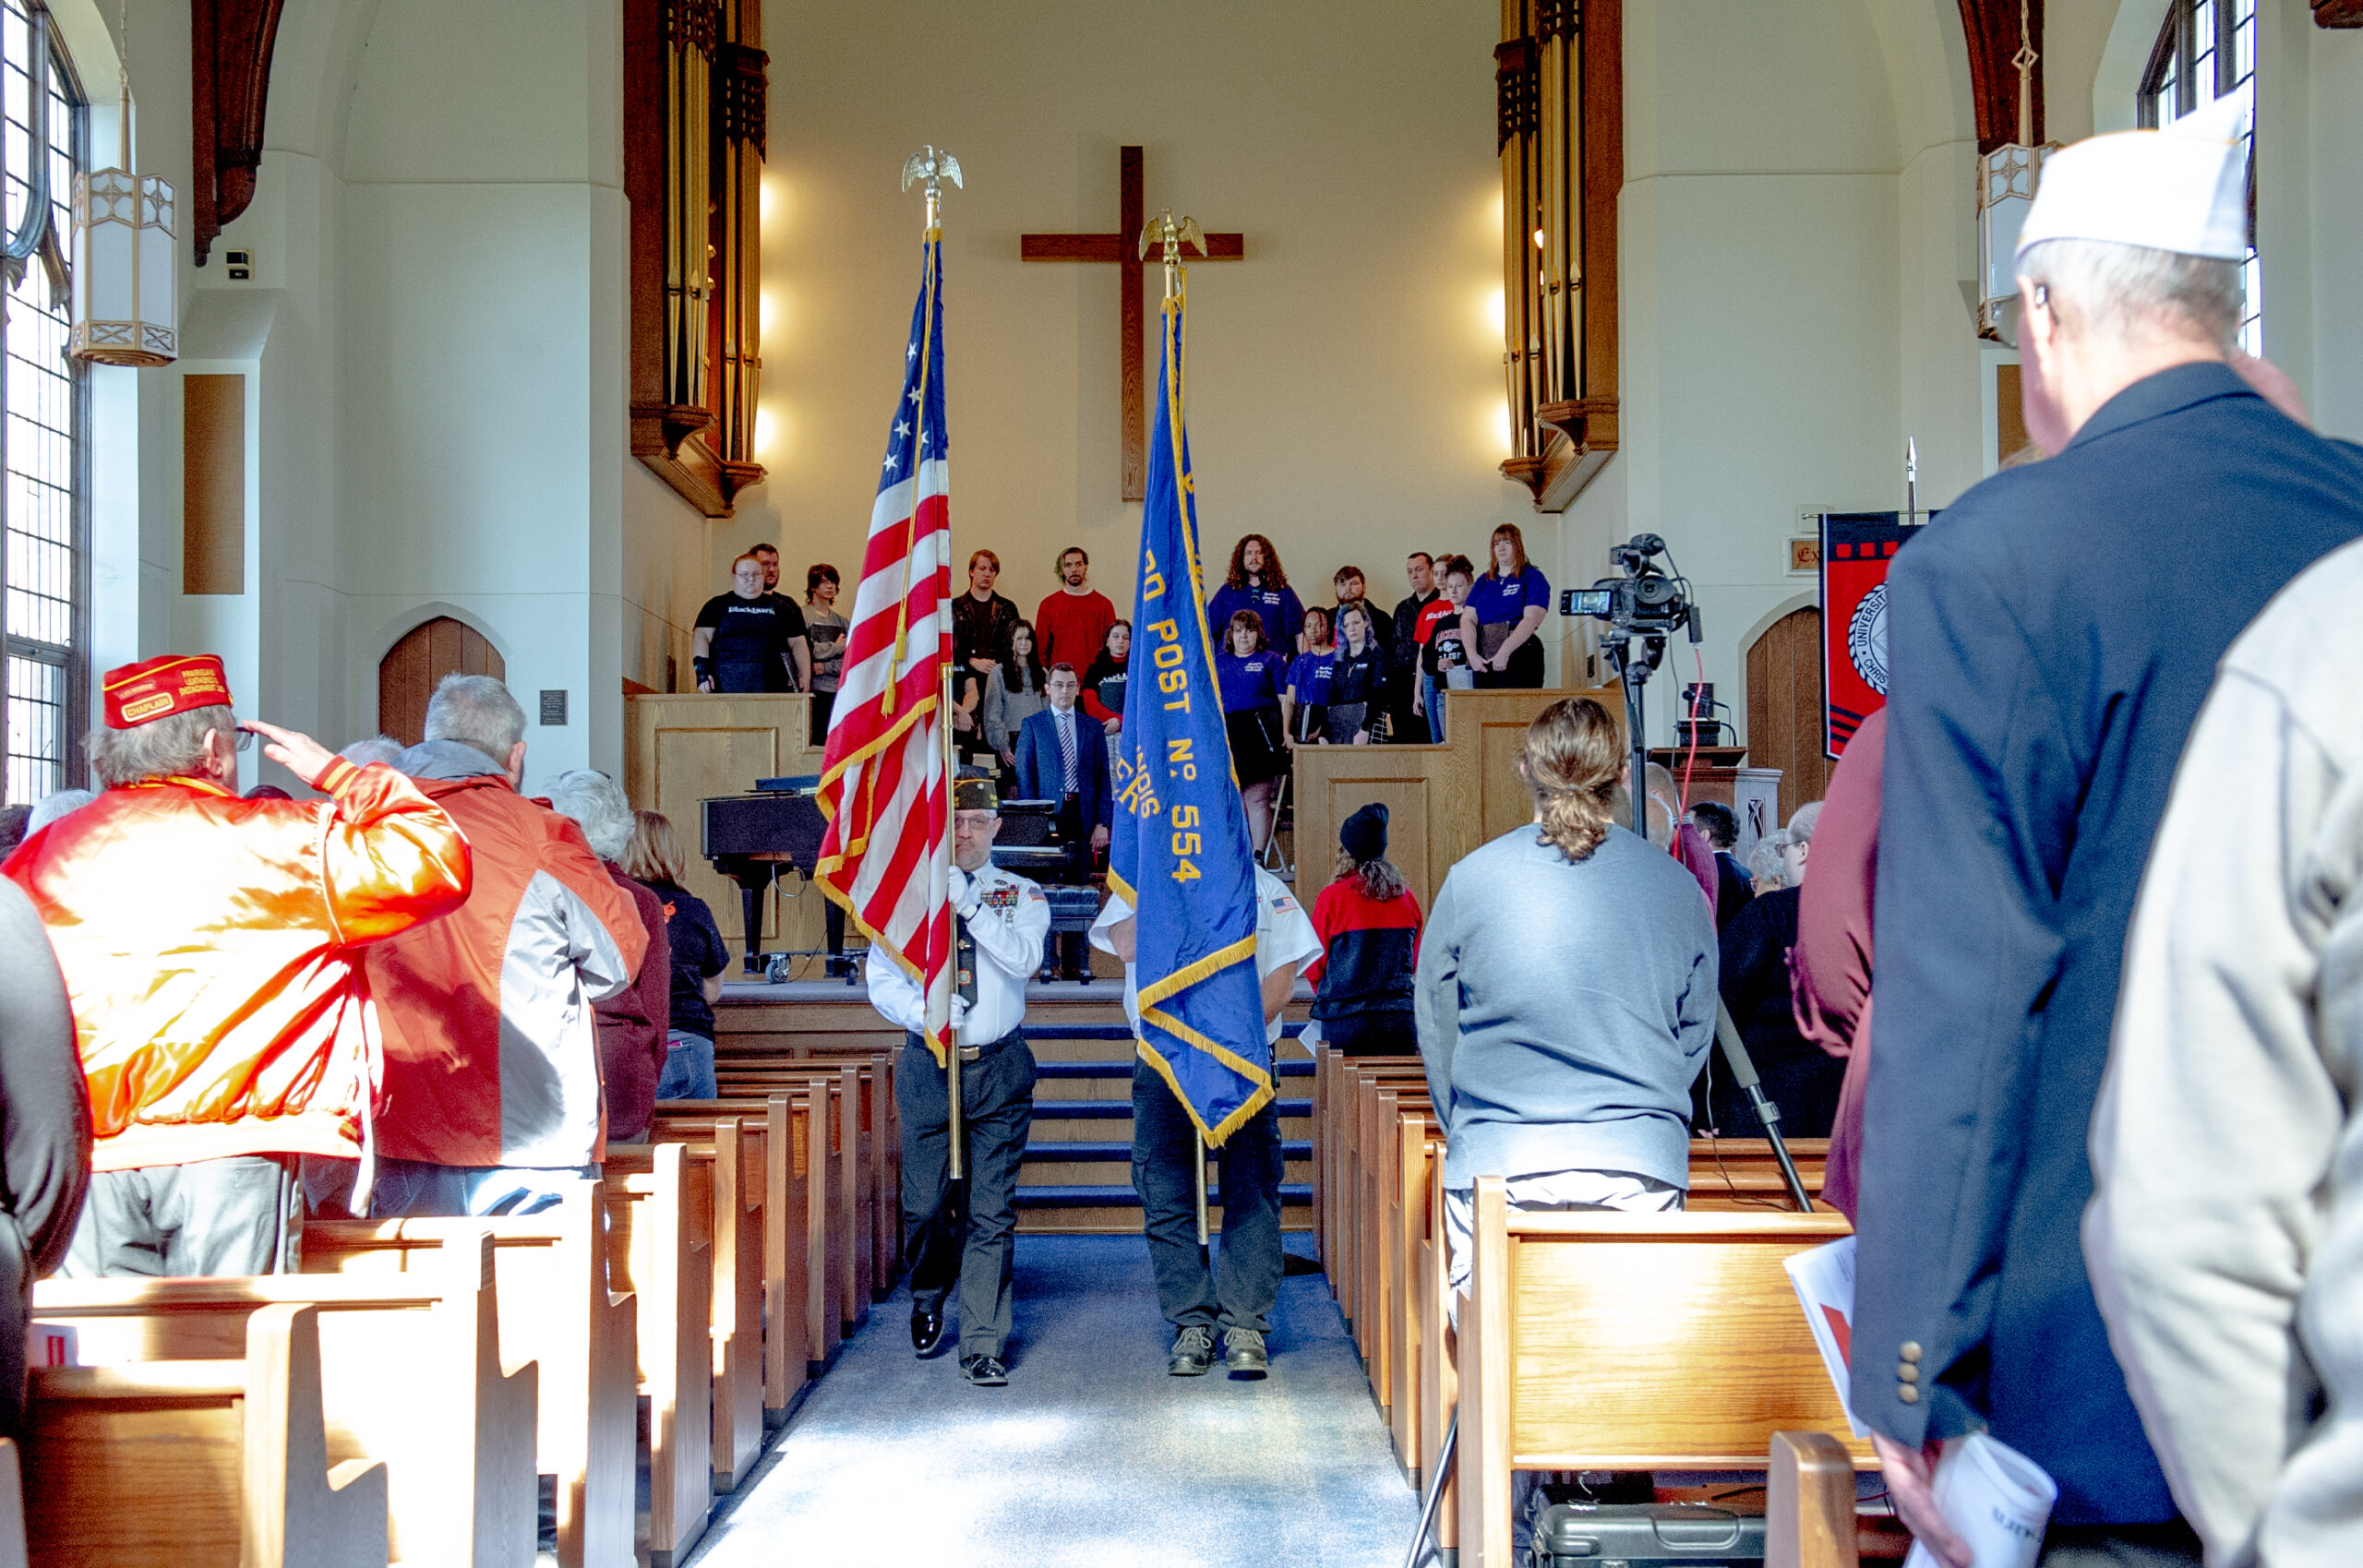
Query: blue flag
[1180,856]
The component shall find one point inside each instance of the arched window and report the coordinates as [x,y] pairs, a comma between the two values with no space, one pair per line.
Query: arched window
[43,613]
[2207,51]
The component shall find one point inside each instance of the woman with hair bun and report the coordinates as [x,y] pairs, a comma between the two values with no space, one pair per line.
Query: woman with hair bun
[1565,997]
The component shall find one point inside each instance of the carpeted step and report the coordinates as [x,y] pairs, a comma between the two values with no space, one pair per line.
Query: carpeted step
[1124,1069]
[1293,1195]
[1116,1110]
[1079,1150]
[1118,1031]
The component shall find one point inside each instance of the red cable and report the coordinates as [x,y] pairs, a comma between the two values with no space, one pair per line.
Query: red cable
[1691,761]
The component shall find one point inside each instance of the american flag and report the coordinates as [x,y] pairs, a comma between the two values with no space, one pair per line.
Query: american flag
[887,854]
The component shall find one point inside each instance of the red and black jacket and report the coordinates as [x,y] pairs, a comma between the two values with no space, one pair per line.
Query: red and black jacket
[1368,952]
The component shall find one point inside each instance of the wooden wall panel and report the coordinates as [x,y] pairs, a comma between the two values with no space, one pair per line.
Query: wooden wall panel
[1784,708]
[408,674]
[2009,413]
[213,484]
[1442,801]
[685,747]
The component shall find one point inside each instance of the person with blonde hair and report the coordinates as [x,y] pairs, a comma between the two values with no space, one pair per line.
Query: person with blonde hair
[1566,996]
[699,957]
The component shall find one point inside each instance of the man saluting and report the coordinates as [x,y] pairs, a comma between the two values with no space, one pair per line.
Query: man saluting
[1000,920]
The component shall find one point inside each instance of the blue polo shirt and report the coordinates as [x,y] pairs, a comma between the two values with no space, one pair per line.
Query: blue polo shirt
[1497,599]
[1279,609]
[1250,683]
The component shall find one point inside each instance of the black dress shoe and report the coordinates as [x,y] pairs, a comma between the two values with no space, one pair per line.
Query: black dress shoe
[926,1330]
[985,1371]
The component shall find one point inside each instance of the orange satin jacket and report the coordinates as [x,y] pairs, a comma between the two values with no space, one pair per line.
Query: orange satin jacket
[212,950]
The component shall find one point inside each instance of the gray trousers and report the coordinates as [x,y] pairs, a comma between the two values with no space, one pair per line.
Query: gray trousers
[229,1216]
[947,1240]
[1250,1161]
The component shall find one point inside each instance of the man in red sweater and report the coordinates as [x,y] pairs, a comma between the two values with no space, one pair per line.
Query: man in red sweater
[1072,623]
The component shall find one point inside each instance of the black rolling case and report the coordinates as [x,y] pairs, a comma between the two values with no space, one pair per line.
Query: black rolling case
[1643,1535]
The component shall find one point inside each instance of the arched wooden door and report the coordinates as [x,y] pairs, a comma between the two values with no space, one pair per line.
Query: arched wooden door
[406,676]
[1784,707]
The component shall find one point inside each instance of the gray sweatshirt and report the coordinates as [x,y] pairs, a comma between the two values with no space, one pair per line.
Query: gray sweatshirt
[1564,1008]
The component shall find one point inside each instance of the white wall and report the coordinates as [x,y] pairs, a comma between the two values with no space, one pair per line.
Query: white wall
[1795,224]
[480,301]
[435,336]
[1345,379]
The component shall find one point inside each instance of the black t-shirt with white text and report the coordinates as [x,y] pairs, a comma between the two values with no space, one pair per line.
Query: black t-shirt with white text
[751,638]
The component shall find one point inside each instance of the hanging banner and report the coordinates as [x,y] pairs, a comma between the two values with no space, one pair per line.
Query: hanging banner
[1856,549]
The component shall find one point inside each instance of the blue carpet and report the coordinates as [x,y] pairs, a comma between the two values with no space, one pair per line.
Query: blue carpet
[1092,1457]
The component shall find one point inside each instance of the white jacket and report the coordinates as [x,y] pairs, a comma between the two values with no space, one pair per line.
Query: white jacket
[2224,1236]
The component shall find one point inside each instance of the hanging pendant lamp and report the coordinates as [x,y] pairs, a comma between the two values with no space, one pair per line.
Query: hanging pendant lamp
[2005,182]
[126,278]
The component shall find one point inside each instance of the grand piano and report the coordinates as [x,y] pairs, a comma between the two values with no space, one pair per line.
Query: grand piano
[750,838]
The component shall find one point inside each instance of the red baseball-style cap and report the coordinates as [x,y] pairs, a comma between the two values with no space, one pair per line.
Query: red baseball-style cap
[155,689]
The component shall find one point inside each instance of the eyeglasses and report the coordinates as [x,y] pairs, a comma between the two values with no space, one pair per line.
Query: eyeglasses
[2012,315]
[245,740]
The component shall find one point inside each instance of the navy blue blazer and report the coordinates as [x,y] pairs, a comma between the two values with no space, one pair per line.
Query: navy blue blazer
[2051,638]
[1041,770]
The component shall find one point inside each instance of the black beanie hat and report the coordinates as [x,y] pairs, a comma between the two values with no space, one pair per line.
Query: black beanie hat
[1364,834]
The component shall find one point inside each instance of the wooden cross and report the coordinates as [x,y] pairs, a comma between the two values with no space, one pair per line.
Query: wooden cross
[1123,248]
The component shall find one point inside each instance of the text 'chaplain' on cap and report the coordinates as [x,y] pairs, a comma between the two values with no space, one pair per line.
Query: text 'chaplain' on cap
[159,687]
[2184,188]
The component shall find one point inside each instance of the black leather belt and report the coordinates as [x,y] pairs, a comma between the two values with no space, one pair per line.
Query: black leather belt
[973,1053]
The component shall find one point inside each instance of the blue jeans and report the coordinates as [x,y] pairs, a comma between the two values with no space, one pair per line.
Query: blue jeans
[1432,701]
[688,1068]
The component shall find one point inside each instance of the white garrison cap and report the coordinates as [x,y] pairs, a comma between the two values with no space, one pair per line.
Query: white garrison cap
[2183,188]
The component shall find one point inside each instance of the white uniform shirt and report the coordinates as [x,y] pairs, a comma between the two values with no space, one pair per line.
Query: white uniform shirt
[1007,917]
[1284,934]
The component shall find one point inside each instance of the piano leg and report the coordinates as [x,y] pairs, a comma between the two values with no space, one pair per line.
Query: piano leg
[838,963]
[754,879]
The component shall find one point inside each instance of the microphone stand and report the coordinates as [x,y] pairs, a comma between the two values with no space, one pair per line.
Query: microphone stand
[1744,1074]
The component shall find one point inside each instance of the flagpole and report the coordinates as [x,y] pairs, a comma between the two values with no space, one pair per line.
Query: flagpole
[951,1038]
[931,167]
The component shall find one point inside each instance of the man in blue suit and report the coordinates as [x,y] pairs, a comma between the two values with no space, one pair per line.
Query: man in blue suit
[1063,756]
[2052,636]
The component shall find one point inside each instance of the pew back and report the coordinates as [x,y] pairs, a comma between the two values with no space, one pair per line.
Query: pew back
[214,1464]
[1630,1342]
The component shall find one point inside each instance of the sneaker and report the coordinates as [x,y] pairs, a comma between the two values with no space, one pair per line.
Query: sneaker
[1193,1352]
[985,1371]
[1243,1353]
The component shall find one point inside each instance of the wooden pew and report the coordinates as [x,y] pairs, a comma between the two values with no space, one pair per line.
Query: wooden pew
[411,1374]
[1629,1342]
[855,1140]
[660,1238]
[879,1118]
[557,1307]
[211,1463]
[725,1173]
[1809,1504]
[802,1253]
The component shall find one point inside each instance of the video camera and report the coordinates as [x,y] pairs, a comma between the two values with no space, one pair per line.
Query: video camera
[1644,601]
